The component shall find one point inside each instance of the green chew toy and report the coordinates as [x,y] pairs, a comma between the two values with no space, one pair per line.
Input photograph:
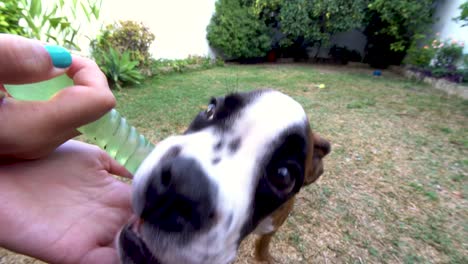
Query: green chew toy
[111,132]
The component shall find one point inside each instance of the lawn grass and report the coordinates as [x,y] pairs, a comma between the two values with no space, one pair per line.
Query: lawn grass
[396,182]
[395,188]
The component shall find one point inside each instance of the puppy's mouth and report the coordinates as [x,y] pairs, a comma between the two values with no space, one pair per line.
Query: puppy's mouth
[173,207]
[135,223]
[132,247]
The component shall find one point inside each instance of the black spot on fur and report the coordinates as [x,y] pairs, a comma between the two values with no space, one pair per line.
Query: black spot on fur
[218,146]
[234,145]
[226,112]
[216,160]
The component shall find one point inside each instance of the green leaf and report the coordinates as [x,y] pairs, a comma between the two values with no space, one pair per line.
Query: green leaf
[35,8]
[55,21]
[64,25]
[95,7]
[85,11]
[49,14]
[49,36]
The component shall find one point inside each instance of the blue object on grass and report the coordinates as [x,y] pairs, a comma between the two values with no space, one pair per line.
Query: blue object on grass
[377,73]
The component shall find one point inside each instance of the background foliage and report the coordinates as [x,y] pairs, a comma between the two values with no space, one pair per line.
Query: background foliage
[403,19]
[463,17]
[236,31]
[10,16]
[123,36]
[122,52]
[57,22]
[243,28]
[303,23]
[440,59]
[119,68]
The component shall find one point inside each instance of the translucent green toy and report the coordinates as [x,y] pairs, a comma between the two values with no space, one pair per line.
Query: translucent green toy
[111,132]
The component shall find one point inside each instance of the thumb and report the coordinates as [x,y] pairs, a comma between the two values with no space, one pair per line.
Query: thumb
[26,61]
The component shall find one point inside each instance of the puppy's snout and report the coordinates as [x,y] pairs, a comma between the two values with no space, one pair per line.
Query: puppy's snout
[179,196]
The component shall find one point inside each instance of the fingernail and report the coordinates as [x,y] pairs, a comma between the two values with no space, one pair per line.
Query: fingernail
[61,57]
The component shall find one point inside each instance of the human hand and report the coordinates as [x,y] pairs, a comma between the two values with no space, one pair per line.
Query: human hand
[33,129]
[66,207]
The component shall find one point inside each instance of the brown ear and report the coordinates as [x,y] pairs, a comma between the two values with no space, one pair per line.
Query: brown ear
[318,148]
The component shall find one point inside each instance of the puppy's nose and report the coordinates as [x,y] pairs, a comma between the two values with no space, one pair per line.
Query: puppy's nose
[179,197]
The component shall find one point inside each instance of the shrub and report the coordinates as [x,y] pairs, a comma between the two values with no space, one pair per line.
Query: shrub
[10,15]
[440,59]
[182,65]
[464,74]
[448,53]
[420,57]
[344,55]
[302,23]
[436,53]
[237,32]
[125,36]
[119,68]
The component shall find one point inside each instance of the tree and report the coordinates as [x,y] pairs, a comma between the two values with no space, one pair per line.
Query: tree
[303,23]
[395,26]
[463,14]
[237,32]
[404,20]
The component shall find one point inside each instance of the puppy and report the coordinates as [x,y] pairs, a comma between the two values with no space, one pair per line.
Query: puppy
[234,171]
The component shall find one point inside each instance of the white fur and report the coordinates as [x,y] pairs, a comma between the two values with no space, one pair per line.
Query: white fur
[259,124]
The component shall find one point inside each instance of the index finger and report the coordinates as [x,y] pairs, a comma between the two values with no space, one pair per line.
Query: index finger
[25,60]
[88,99]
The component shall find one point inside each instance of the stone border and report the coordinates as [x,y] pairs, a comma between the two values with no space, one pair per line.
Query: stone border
[440,84]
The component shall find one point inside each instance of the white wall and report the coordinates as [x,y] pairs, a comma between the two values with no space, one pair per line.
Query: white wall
[448,28]
[178,25]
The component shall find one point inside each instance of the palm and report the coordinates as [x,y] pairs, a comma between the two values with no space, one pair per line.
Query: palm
[66,208]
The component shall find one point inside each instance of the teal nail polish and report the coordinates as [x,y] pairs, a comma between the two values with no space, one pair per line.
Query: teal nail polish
[61,57]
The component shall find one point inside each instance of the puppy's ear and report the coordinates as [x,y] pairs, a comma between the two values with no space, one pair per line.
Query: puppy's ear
[132,250]
[318,148]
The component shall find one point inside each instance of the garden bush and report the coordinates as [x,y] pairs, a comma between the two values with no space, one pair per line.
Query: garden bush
[449,54]
[125,36]
[420,57]
[119,68]
[298,24]
[440,59]
[162,66]
[237,32]
[122,52]
[344,55]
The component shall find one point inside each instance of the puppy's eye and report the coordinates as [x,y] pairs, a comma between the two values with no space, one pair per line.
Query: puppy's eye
[210,110]
[284,176]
